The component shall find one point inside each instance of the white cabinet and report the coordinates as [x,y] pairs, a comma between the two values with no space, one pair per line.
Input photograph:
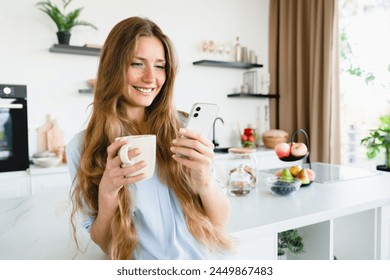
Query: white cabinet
[355,236]
[36,180]
[350,237]
[383,247]
[255,246]
[359,236]
[14,184]
[46,180]
[345,218]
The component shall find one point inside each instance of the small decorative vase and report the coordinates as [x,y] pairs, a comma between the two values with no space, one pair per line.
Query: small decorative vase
[385,167]
[382,168]
[63,37]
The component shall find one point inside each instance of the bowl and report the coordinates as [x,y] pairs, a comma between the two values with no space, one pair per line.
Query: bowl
[47,161]
[273,137]
[280,186]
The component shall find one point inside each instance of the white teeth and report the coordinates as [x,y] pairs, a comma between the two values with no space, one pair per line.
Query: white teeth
[145,90]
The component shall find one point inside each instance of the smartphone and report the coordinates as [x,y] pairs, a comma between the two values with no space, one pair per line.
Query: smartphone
[202,117]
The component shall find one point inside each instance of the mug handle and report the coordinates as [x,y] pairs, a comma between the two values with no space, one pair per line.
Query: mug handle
[123,155]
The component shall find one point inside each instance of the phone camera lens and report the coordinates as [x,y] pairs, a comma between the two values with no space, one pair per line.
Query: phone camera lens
[197,109]
[196,115]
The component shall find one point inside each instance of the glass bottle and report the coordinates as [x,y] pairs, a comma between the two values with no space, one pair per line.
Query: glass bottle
[237,50]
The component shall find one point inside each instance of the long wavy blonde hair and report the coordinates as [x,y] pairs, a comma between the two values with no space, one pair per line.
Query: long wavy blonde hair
[110,120]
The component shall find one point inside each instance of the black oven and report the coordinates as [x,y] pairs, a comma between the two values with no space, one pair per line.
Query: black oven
[13,128]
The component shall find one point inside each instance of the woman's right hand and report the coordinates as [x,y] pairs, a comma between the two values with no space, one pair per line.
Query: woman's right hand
[114,176]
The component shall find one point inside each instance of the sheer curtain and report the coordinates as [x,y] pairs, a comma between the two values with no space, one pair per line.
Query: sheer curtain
[303,64]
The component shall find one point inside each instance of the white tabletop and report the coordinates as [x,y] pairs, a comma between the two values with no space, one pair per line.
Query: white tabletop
[38,227]
[262,211]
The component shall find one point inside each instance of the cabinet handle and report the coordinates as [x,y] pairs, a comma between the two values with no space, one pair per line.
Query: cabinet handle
[11,106]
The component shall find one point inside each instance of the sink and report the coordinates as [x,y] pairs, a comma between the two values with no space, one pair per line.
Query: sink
[221,150]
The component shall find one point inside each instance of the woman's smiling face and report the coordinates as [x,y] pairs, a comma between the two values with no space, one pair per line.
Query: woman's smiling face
[146,74]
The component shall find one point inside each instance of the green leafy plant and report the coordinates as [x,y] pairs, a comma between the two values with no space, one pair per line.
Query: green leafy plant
[64,21]
[291,241]
[379,139]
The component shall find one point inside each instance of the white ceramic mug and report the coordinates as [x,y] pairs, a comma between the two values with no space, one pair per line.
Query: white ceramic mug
[147,146]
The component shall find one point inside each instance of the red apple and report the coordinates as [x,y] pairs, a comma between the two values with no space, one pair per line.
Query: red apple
[282,150]
[298,149]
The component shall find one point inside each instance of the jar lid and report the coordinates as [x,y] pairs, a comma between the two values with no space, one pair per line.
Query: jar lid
[242,150]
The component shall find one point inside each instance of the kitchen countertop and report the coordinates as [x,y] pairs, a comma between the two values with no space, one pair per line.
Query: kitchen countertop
[336,197]
[38,227]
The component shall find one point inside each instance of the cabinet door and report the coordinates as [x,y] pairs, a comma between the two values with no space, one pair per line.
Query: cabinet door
[355,236]
[255,247]
[47,183]
[384,233]
[14,184]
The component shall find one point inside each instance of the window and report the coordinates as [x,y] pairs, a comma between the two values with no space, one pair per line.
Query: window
[364,74]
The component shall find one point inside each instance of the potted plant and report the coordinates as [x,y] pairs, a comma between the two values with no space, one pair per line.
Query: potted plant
[377,140]
[289,241]
[64,21]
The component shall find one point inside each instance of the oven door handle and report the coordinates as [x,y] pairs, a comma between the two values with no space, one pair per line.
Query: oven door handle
[11,106]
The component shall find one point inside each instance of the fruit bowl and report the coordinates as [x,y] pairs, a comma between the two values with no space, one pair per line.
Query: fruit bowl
[293,151]
[293,158]
[305,175]
[283,187]
[306,185]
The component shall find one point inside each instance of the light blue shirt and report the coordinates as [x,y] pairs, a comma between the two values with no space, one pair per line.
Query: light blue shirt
[157,213]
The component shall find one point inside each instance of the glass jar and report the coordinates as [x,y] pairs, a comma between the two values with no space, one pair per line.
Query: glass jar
[242,171]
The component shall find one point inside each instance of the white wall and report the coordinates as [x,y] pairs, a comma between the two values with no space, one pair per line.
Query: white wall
[53,79]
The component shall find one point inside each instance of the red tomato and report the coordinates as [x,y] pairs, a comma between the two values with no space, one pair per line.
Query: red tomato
[248,131]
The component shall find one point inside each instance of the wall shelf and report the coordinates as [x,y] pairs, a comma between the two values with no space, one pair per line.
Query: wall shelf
[242,65]
[227,64]
[255,95]
[87,90]
[57,48]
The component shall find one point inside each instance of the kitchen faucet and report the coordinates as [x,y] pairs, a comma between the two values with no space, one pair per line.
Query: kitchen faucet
[216,144]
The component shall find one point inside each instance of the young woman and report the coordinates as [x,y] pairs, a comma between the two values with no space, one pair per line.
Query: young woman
[177,214]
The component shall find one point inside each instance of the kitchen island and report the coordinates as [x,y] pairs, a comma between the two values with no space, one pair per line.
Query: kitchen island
[343,216]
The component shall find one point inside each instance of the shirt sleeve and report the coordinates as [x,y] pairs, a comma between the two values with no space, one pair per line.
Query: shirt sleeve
[87,224]
[73,154]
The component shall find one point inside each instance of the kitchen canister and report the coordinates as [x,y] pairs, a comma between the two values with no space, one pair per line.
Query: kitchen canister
[242,171]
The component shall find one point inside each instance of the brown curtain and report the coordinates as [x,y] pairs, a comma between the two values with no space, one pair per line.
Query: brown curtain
[303,65]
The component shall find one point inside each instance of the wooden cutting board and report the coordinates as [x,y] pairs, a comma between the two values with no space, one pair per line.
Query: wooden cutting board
[55,137]
[42,134]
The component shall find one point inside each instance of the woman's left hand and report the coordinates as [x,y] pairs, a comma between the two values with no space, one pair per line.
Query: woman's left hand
[195,152]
